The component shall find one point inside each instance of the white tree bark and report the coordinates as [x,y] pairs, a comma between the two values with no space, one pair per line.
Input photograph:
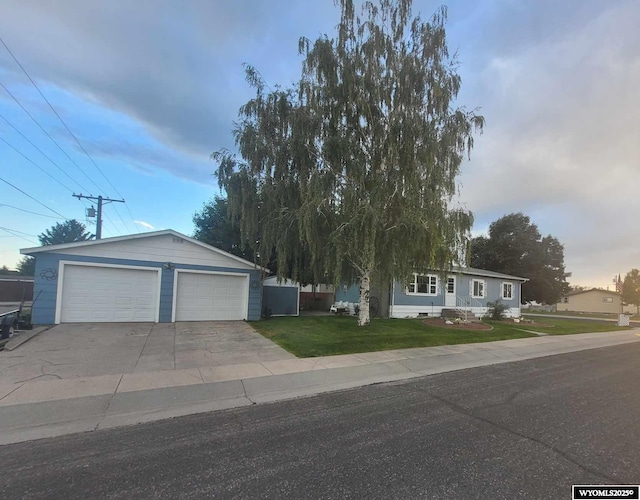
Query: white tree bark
[365,287]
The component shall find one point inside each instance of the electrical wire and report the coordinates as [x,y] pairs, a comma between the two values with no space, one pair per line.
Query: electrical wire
[13,231]
[71,133]
[30,212]
[43,153]
[29,196]
[35,164]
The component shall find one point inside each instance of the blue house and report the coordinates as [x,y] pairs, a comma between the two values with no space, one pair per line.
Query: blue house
[463,289]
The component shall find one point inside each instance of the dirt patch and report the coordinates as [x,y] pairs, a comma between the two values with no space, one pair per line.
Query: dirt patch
[439,322]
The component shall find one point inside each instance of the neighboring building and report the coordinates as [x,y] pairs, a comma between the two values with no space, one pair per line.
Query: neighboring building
[591,301]
[464,289]
[161,276]
[280,298]
[16,288]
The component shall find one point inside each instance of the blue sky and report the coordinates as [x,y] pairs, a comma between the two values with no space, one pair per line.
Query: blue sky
[150,88]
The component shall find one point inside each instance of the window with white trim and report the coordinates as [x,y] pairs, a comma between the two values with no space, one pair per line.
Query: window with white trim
[451,285]
[607,300]
[423,285]
[507,290]
[477,289]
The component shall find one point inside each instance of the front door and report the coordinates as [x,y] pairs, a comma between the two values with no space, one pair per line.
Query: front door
[450,292]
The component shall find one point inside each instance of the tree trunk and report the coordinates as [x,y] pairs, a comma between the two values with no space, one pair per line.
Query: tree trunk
[365,285]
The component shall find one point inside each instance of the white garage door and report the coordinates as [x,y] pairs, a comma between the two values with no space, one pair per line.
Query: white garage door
[108,294]
[204,297]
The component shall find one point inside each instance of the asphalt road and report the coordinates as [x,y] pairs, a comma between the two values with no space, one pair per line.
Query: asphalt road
[520,430]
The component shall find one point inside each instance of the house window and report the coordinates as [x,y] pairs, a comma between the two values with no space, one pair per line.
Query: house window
[477,289]
[423,285]
[507,291]
[451,285]
[608,300]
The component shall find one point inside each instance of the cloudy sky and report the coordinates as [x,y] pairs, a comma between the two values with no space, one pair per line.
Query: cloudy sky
[150,88]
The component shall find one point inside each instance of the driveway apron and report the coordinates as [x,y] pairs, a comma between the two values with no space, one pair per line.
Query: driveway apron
[94,349]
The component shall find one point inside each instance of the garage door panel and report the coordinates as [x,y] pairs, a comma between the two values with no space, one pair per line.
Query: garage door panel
[106,294]
[206,297]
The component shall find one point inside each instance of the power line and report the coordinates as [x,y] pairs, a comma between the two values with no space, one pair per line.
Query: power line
[35,164]
[47,134]
[13,231]
[30,212]
[29,196]
[42,152]
[59,147]
[68,130]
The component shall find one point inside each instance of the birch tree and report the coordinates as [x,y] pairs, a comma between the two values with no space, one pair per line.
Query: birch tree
[356,165]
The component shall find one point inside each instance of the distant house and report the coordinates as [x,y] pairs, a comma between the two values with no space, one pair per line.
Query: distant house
[591,301]
[463,289]
[15,288]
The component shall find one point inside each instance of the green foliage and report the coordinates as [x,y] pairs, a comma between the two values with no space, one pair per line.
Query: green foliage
[352,173]
[27,266]
[515,247]
[631,289]
[214,228]
[65,232]
[497,310]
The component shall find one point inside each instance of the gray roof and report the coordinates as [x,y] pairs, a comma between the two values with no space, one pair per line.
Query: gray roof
[488,274]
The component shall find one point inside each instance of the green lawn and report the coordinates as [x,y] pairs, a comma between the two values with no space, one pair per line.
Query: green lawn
[312,336]
[576,313]
[558,326]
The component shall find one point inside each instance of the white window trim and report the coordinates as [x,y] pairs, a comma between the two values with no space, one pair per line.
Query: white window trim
[504,297]
[415,286]
[484,288]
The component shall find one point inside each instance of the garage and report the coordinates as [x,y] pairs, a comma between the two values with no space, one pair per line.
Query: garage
[202,296]
[108,294]
[160,276]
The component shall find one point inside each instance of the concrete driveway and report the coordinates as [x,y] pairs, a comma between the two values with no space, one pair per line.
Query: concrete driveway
[94,349]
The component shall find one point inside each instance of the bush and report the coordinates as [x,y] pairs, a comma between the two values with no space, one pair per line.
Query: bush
[497,310]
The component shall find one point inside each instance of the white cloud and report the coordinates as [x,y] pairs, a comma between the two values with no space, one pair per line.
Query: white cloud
[144,224]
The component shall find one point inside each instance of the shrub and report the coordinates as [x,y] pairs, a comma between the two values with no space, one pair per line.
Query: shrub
[497,310]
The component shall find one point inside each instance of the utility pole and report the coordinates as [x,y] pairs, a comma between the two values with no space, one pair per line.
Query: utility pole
[100,201]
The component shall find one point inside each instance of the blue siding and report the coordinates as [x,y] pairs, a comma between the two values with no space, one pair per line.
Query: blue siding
[348,293]
[166,296]
[45,289]
[46,283]
[400,298]
[255,295]
[281,300]
[493,292]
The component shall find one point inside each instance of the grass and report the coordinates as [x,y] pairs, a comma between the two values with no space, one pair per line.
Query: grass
[313,336]
[577,313]
[558,326]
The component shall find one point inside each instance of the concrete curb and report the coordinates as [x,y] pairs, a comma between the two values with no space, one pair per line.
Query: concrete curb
[22,421]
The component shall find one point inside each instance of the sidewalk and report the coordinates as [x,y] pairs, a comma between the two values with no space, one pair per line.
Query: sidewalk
[46,408]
